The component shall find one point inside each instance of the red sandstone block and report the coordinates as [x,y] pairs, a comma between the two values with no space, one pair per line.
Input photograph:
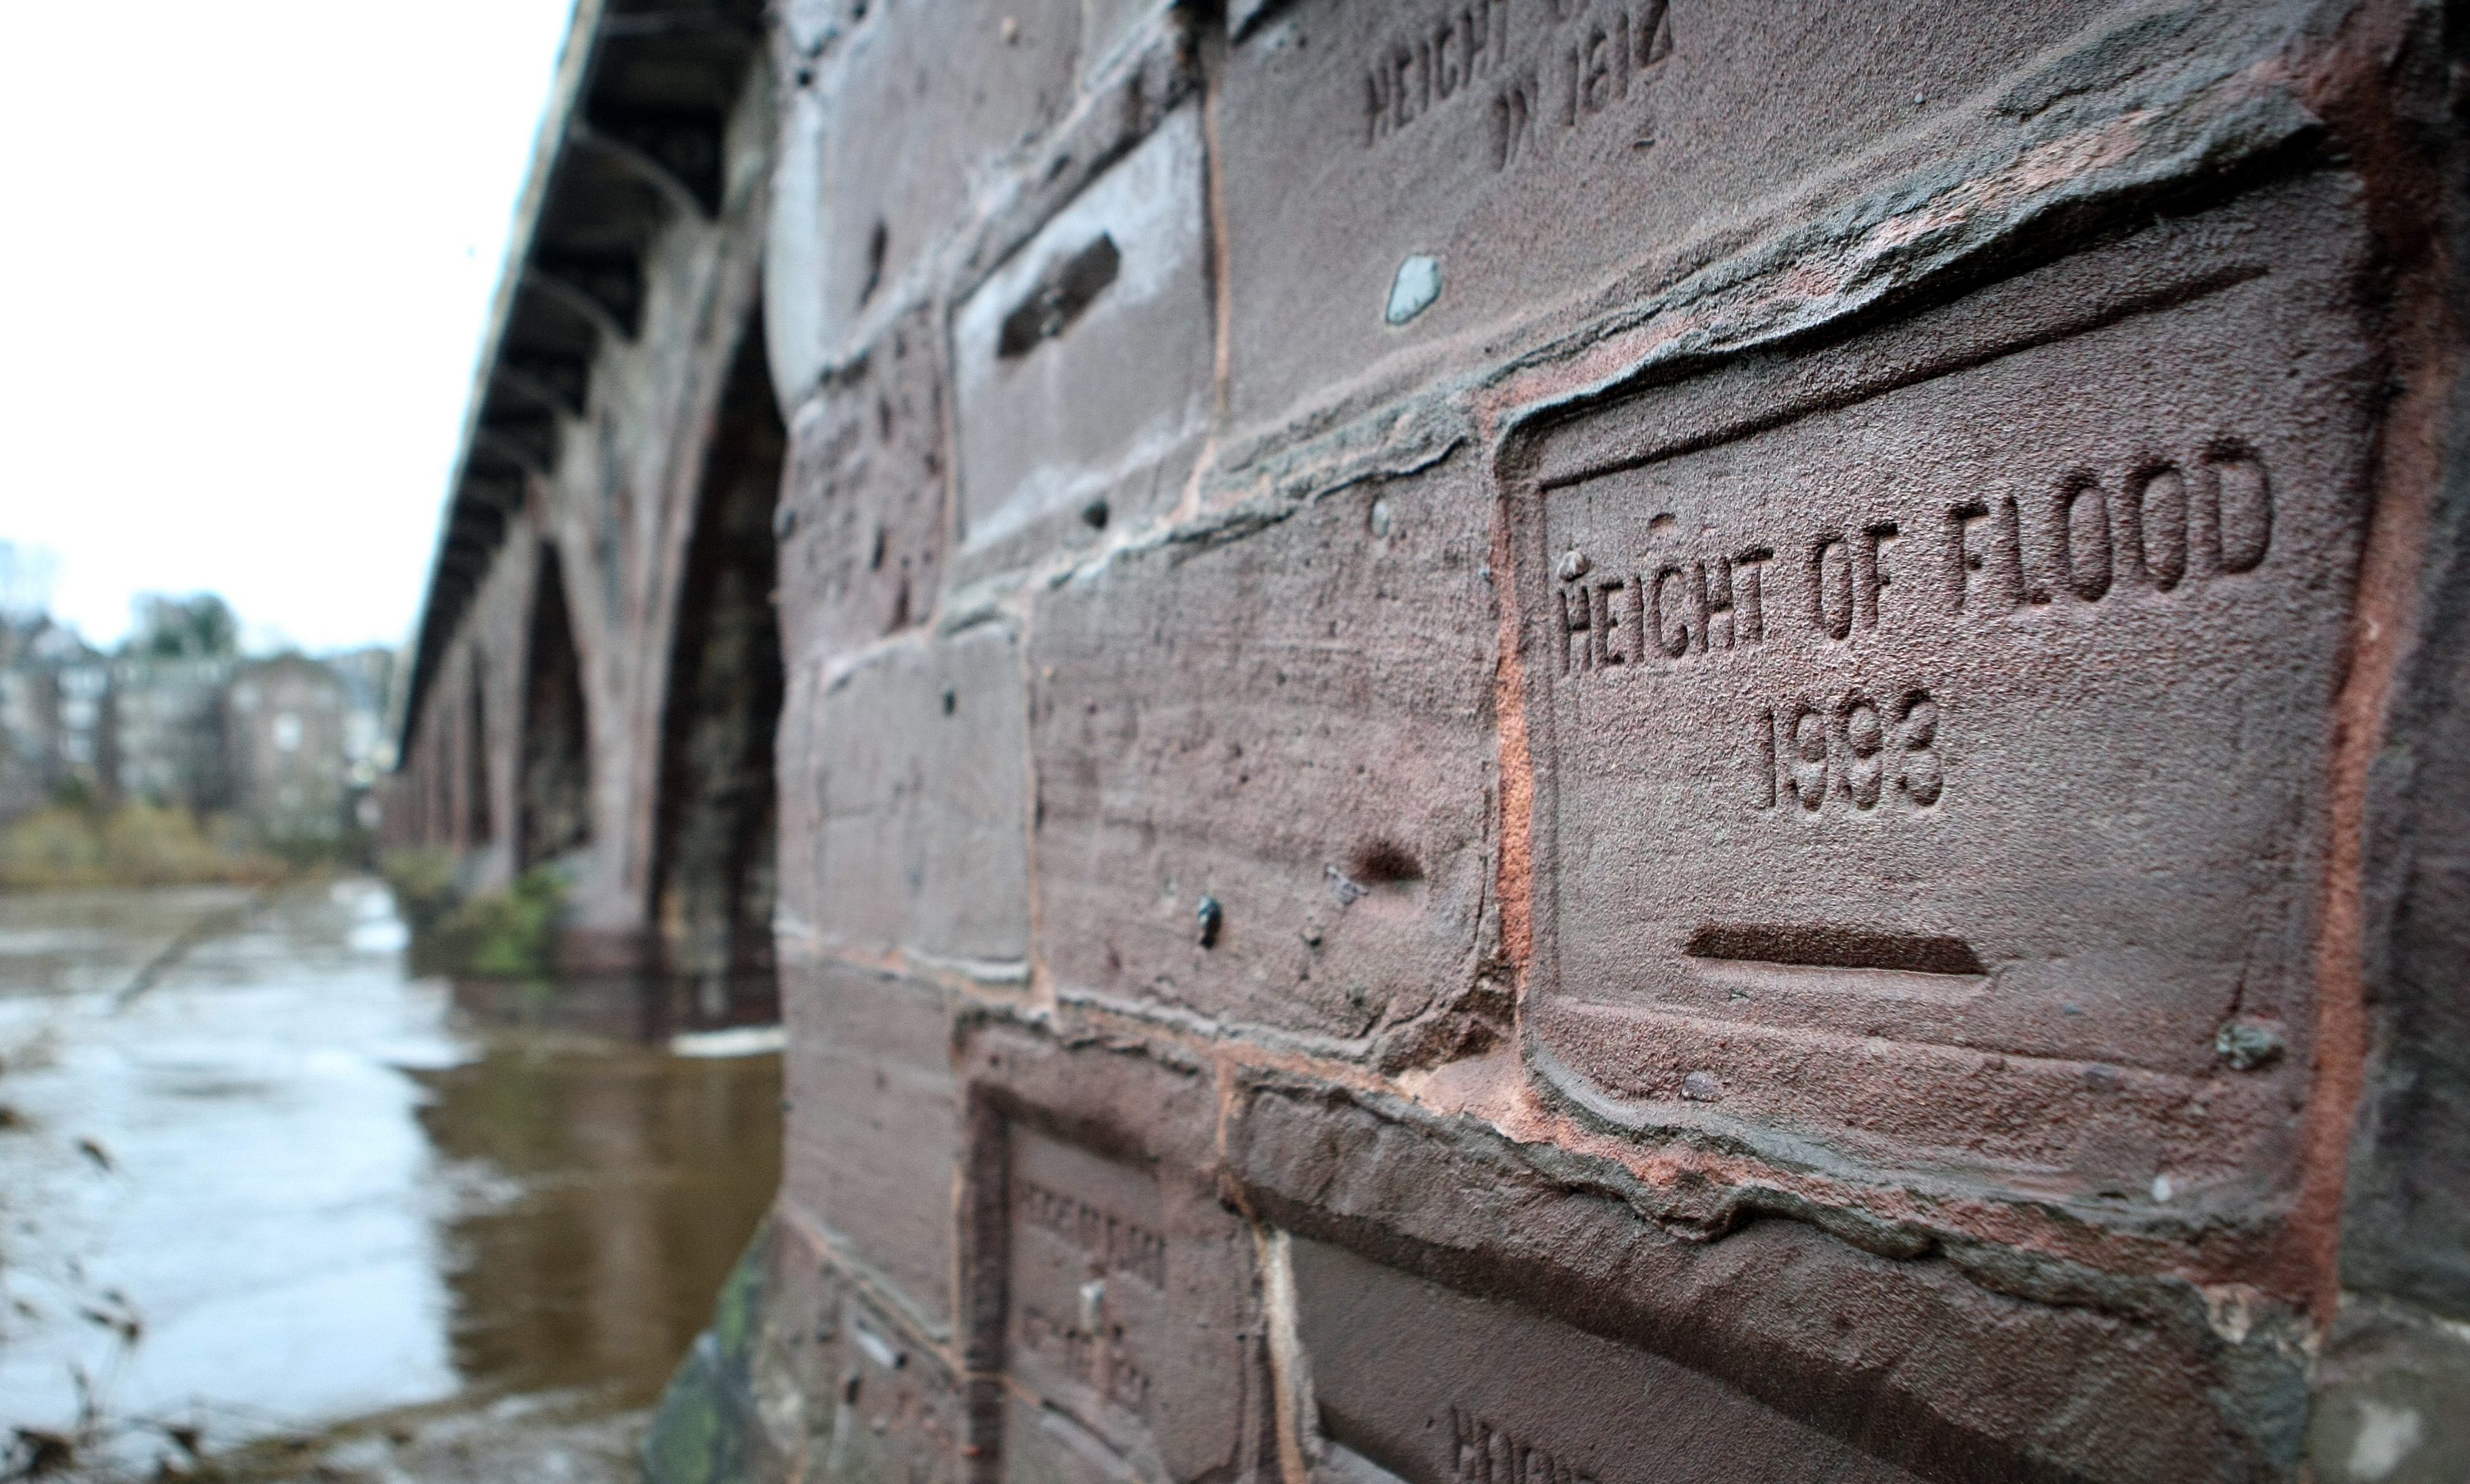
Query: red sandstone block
[1082,365]
[1962,1362]
[917,784]
[1532,151]
[1928,731]
[1415,1382]
[903,1414]
[916,109]
[873,1132]
[862,520]
[1292,724]
[1107,1281]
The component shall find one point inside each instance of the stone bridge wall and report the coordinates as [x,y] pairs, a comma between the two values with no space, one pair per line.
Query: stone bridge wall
[1531,741]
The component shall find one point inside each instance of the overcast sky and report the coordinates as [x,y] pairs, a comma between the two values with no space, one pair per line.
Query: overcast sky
[247,261]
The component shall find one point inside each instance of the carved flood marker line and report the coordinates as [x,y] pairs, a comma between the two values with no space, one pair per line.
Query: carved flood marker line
[1956,729]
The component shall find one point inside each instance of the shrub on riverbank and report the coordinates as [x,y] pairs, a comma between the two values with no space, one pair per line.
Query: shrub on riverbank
[137,844]
[499,935]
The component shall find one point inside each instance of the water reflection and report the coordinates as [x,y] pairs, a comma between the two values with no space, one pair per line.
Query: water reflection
[608,1190]
[254,1176]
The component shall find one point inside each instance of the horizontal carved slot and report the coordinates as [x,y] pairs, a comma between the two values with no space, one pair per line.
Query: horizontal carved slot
[1834,947]
[1062,291]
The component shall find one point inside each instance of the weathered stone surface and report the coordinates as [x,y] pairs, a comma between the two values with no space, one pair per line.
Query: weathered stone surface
[862,520]
[801,1376]
[1533,149]
[2410,1186]
[1109,1284]
[919,108]
[920,832]
[1928,766]
[1594,154]
[1749,776]
[874,1136]
[1083,365]
[903,1413]
[2389,1398]
[1962,1363]
[1337,817]
[1414,1382]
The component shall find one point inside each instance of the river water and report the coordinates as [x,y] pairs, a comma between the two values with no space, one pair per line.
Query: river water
[257,1180]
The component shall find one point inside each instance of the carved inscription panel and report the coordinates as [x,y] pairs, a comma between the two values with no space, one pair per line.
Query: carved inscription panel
[1417,1382]
[1531,145]
[1933,729]
[1088,1290]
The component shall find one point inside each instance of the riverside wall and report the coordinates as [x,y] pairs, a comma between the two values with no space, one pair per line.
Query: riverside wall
[1535,741]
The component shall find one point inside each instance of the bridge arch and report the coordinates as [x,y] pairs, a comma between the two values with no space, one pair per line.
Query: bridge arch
[714,829]
[553,792]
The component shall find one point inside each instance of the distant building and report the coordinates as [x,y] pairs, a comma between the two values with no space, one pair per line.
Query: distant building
[291,743]
[167,730]
[56,718]
[288,725]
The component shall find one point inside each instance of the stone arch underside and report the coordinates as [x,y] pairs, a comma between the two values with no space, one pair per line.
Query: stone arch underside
[554,796]
[481,820]
[712,874]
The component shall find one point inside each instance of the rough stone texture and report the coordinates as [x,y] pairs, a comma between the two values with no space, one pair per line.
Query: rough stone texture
[2037,566]
[1414,1380]
[1108,1284]
[873,1136]
[861,514]
[2410,1192]
[918,109]
[1338,817]
[1084,363]
[919,819]
[1537,150]
[1596,740]
[1953,1358]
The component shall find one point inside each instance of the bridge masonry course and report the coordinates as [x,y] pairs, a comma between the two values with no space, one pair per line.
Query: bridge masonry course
[1522,741]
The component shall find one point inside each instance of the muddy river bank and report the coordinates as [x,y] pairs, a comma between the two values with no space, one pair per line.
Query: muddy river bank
[272,1207]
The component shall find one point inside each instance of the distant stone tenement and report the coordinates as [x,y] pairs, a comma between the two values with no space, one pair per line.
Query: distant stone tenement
[1513,741]
[290,745]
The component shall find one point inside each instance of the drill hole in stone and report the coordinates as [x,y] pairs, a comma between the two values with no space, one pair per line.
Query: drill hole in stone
[1385,862]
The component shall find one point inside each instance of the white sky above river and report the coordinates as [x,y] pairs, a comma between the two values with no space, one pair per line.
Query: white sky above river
[244,276]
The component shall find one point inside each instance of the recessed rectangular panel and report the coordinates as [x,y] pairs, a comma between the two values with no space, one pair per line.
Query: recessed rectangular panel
[1434,1387]
[1933,729]
[1088,1291]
